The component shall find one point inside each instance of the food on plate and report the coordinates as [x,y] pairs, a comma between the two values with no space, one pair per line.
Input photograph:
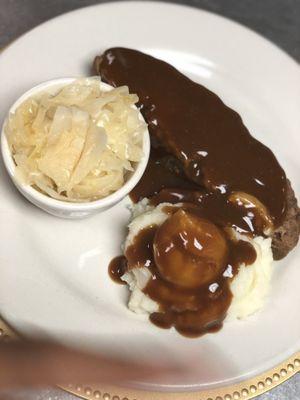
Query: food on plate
[286,236]
[211,145]
[186,272]
[78,144]
[214,206]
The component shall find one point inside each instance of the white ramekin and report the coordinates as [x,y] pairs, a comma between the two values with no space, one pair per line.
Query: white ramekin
[65,209]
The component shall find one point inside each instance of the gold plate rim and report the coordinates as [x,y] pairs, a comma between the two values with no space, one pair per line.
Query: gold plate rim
[244,390]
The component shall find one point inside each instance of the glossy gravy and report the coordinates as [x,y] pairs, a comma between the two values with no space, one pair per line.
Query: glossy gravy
[193,309]
[202,156]
[193,124]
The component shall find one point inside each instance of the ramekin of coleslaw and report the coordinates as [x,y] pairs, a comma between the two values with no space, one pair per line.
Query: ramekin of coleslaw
[74,147]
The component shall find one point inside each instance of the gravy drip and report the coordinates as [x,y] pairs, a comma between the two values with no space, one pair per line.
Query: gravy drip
[195,310]
[216,208]
[117,268]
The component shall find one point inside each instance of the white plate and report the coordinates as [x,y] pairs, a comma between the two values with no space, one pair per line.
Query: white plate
[53,272]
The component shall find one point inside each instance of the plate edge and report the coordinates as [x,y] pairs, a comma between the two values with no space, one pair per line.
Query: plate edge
[250,30]
[246,390]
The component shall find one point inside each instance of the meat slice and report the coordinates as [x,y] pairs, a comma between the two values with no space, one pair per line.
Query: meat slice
[210,141]
[193,124]
[285,238]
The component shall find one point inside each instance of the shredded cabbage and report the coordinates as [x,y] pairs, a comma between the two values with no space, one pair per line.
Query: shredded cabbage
[79,144]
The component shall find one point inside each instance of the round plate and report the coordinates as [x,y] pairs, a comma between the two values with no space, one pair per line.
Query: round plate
[54,279]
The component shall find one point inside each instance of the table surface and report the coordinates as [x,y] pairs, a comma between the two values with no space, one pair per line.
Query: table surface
[278,20]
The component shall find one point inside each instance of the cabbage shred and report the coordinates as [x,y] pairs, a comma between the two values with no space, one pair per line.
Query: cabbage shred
[77,145]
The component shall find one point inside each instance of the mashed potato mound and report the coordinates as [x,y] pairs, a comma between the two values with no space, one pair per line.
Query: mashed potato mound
[249,287]
[139,302]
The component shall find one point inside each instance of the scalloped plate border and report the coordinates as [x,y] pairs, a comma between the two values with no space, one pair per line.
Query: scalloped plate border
[244,390]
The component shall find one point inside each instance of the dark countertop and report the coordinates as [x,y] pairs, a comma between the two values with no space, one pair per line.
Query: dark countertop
[278,20]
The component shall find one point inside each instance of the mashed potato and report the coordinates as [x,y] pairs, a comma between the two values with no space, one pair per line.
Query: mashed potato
[249,287]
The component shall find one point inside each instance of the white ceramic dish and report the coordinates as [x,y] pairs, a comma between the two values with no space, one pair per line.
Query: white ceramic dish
[54,279]
[65,209]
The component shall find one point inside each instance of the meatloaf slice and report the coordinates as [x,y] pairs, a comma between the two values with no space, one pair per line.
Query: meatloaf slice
[286,236]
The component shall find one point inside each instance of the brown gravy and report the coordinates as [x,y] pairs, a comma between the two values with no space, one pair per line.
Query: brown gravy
[216,208]
[159,175]
[117,268]
[193,310]
[201,153]
[193,124]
